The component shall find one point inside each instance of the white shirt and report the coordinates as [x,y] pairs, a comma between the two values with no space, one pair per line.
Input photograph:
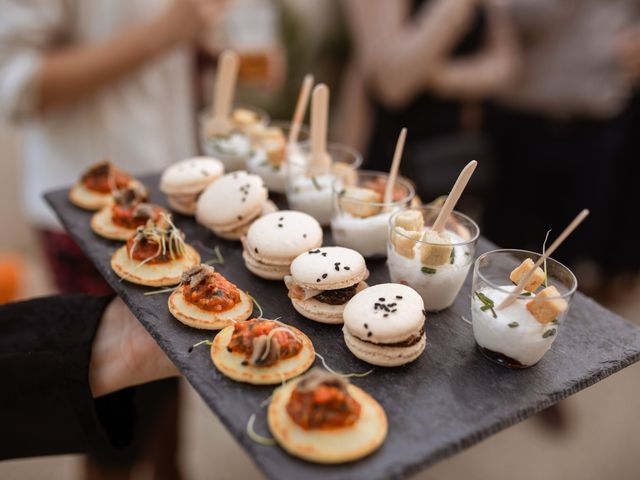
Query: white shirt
[142,122]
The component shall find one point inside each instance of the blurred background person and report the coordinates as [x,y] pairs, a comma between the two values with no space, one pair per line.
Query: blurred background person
[426,65]
[87,80]
[563,133]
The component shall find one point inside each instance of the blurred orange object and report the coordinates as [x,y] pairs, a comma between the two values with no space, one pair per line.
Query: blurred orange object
[11,276]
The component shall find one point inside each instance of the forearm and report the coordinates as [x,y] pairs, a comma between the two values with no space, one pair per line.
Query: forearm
[73,73]
[395,54]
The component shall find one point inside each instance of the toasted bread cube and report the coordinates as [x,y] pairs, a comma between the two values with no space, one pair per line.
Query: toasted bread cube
[404,241]
[410,220]
[358,202]
[545,307]
[521,270]
[243,117]
[438,249]
[276,149]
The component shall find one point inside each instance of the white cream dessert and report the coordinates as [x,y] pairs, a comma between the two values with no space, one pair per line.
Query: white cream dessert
[232,150]
[313,195]
[514,332]
[520,333]
[438,285]
[360,218]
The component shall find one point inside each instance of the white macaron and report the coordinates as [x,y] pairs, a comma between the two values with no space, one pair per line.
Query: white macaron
[384,325]
[274,240]
[183,182]
[323,280]
[231,203]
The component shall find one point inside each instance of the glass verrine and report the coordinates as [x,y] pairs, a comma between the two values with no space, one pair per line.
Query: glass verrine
[435,267]
[233,149]
[518,335]
[271,151]
[313,194]
[360,218]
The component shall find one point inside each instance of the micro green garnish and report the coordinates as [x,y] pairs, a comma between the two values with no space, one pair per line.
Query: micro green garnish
[544,267]
[256,304]
[162,290]
[428,270]
[487,303]
[317,186]
[452,257]
[256,437]
[555,321]
[343,375]
[218,259]
[513,325]
[342,192]
[525,294]
[549,333]
[203,342]
[467,253]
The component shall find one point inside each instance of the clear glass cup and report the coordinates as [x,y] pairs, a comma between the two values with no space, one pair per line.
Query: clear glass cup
[438,285]
[234,149]
[314,194]
[275,176]
[363,223]
[514,337]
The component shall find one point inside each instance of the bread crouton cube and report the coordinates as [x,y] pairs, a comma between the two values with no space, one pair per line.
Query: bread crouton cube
[276,149]
[438,249]
[410,220]
[243,117]
[404,241]
[546,306]
[521,270]
[360,202]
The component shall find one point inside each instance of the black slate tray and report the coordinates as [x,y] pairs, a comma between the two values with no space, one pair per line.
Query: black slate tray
[446,401]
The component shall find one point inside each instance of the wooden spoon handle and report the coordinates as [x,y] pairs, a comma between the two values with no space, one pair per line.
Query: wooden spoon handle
[454,196]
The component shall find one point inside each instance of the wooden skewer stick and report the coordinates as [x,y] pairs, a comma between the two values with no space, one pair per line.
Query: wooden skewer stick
[549,251]
[301,109]
[395,166]
[224,89]
[454,196]
[319,160]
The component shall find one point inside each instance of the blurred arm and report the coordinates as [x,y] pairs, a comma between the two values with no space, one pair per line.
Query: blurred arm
[38,70]
[396,54]
[486,72]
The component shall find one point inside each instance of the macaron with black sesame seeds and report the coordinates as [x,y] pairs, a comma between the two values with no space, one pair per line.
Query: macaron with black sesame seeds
[275,240]
[183,182]
[323,280]
[384,325]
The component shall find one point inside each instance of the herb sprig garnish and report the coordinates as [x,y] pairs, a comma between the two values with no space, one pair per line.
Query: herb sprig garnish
[549,333]
[162,290]
[203,342]
[428,270]
[218,259]
[487,304]
[317,185]
[513,324]
[452,257]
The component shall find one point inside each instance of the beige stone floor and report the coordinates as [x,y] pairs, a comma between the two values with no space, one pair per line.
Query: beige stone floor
[601,441]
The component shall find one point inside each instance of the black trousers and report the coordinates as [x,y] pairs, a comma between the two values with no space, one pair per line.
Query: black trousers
[547,171]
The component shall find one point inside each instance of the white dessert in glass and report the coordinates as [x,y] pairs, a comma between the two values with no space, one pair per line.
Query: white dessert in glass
[518,335]
[313,193]
[271,151]
[360,218]
[435,265]
[235,148]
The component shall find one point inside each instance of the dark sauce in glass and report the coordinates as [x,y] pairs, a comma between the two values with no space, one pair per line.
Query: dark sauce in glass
[501,359]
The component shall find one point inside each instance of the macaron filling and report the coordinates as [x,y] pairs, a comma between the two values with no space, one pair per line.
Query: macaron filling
[321,401]
[263,342]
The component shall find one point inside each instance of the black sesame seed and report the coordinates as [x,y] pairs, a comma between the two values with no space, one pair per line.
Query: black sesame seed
[279,225]
[281,219]
[304,235]
[255,249]
[381,299]
[324,275]
[399,297]
[392,304]
[317,279]
[366,326]
[324,254]
[337,268]
[347,268]
[386,315]
[394,310]
[369,334]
